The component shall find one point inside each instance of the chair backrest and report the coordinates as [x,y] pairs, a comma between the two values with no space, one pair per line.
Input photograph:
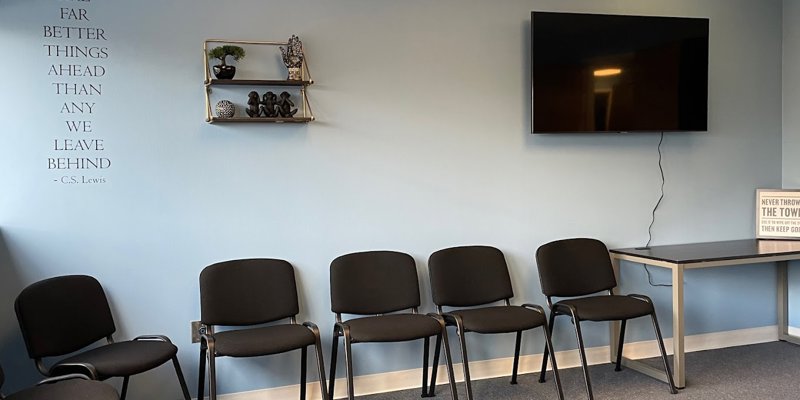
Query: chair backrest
[574,267]
[247,292]
[63,314]
[374,282]
[469,276]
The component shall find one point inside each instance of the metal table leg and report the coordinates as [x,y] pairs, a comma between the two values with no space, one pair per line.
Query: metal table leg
[783,304]
[678,354]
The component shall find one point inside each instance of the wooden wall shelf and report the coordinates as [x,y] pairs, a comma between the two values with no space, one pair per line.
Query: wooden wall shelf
[257,82]
[215,120]
[304,108]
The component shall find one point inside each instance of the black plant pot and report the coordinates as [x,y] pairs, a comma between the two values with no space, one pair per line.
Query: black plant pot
[224,71]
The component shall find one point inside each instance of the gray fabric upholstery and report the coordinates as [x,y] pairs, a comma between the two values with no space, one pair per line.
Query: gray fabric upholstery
[247,292]
[64,314]
[124,358]
[469,276]
[73,389]
[374,282]
[262,341]
[393,328]
[499,319]
[67,389]
[574,267]
[606,308]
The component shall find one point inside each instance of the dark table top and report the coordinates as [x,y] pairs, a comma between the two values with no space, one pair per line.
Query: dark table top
[714,251]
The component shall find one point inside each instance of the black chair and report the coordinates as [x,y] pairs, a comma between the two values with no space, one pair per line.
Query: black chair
[65,387]
[582,267]
[244,293]
[378,284]
[65,314]
[471,276]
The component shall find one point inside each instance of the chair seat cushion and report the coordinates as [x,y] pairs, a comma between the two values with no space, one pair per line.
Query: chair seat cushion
[72,389]
[125,358]
[393,328]
[262,341]
[607,308]
[499,319]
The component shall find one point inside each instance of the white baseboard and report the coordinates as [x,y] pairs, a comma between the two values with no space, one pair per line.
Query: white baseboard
[408,379]
[794,331]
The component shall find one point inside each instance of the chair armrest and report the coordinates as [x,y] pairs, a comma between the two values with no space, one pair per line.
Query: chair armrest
[63,378]
[439,318]
[641,297]
[565,309]
[208,337]
[534,307]
[85,369]
[450,319]
[312,327]
[160,338]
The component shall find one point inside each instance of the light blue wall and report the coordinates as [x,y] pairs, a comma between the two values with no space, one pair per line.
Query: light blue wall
[791,124]
[791,94]
[422,142]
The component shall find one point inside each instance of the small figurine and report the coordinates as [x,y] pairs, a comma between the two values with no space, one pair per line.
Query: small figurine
[252,102]
[268,103]
[225,109]
[293,58]
[285,106]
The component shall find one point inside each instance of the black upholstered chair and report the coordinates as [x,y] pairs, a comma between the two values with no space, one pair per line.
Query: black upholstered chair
[379,284]
[246,293]
[472,276]
[65,387]
[66,314]
[579,270]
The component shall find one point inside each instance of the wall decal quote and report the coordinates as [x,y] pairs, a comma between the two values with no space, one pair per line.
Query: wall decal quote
[77,51]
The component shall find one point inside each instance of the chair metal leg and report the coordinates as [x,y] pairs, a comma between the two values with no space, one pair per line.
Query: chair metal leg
[348,358]
[547,349]
[181,379]
[621,343]
[549,346]
[426,342]
[464,359]
[671,382]
[124,391]
[448,358]
[435,366]
[577,323]
[334,355]
[516,358]
[323,386]
[201,376]
[303,373]
[212,374]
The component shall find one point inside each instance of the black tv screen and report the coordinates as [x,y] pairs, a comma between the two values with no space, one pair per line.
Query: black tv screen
[618,73]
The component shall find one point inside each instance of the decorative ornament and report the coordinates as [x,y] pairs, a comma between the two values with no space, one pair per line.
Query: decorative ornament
[284,106]
[252,103]
[268,103]
[293,58]
[223,70]
[225,109]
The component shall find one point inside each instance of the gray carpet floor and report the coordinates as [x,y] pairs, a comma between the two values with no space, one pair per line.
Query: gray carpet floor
[761,371]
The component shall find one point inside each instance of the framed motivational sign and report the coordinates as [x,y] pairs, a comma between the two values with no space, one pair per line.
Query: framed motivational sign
[778,214]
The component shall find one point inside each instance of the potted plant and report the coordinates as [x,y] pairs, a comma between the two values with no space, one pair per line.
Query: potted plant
[223,70]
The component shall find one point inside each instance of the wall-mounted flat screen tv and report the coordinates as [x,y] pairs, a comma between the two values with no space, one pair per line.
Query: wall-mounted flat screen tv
[618,73]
